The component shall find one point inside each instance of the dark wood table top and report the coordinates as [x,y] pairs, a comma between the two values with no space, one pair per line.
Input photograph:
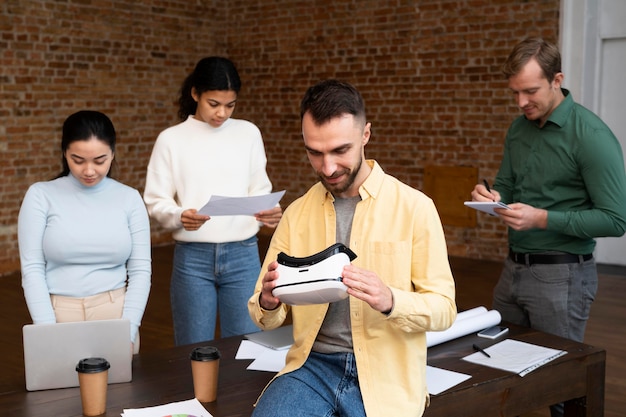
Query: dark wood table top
[493,392]
[164,376]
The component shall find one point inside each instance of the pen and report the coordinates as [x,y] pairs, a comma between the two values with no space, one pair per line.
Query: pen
[487,186]
[481,350]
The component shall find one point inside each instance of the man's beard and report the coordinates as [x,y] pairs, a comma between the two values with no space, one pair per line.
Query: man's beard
[343,186]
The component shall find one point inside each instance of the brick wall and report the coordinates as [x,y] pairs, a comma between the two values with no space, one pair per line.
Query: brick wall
[429,72]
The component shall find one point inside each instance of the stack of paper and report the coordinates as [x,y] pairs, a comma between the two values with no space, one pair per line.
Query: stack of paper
[515,356]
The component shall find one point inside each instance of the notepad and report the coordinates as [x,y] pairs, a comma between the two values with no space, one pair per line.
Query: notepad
[487,206]
[515,356]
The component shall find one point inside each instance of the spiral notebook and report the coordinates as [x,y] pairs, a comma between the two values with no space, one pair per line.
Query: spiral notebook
[51,351]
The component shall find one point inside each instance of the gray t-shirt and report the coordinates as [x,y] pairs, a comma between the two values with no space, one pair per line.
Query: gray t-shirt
[335,334]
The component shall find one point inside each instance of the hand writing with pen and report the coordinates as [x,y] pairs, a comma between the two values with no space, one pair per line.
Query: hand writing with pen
[520,216]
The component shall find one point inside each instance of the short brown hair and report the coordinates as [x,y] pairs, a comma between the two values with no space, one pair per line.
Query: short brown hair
[547,55]
[332,98]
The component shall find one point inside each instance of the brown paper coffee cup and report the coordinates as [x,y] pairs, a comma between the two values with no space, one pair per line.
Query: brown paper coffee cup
[93,377]
[205,362]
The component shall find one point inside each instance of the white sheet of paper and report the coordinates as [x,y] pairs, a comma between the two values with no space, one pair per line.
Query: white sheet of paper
[249,350]
[187,407]
[270,360]
[515,356]
[486,206]
[439,380]
[219,205]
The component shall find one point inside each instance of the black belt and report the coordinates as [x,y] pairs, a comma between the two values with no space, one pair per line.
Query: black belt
[561,258]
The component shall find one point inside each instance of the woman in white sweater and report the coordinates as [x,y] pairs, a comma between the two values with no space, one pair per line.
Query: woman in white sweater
[84,238]
[216,261]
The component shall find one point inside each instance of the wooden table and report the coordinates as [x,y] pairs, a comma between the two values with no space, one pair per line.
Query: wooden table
[576,378]
[165,376]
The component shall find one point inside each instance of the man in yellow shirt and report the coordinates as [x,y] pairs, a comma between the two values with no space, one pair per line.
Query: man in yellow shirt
[366,354]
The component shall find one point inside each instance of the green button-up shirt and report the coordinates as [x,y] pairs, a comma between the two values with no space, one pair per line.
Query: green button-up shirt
[572,167]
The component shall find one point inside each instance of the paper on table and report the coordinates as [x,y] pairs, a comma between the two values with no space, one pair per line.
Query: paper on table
[219,205]
[272,360]
[487,206]
[249,350]
[474,321]
[185,408]
[515,356]
[438,380]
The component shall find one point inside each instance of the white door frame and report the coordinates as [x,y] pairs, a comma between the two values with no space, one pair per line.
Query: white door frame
[581,42]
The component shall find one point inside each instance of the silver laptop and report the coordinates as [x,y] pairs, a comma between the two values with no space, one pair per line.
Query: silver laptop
[278,339]
[51,351]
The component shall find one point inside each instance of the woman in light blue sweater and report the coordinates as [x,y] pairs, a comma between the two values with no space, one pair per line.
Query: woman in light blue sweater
[84,238]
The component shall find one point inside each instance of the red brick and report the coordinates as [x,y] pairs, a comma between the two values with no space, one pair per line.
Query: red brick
[429,71]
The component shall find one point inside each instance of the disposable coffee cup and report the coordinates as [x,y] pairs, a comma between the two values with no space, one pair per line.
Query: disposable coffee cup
[93,376]
[205,365]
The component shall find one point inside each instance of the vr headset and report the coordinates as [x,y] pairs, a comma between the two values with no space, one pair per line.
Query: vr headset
[314,279]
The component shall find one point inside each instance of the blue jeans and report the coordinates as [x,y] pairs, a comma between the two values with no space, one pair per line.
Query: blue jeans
[208,276]
[326,385]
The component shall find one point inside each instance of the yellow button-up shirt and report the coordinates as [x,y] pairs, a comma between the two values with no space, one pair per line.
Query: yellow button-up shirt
[396,232]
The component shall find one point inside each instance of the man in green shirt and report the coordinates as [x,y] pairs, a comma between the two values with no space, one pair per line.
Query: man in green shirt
[562,175]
